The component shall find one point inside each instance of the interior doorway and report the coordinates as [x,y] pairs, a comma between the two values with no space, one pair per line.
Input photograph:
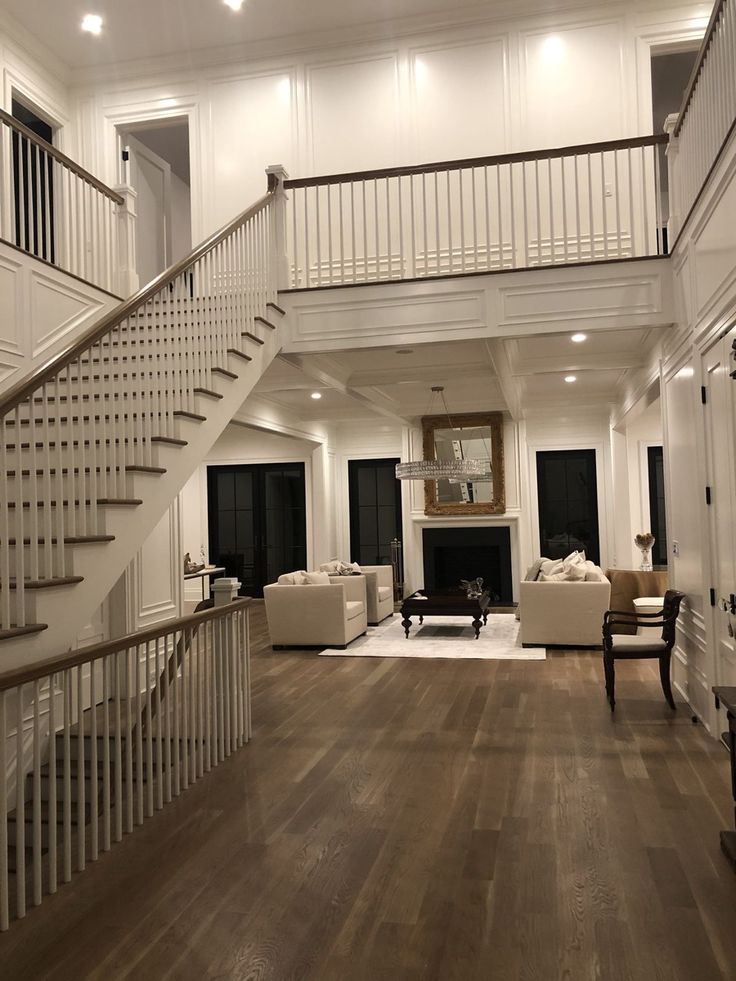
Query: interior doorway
[156,163]
[33,184]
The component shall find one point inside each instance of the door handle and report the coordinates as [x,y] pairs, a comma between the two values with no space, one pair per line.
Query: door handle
[728,605]
[732,603]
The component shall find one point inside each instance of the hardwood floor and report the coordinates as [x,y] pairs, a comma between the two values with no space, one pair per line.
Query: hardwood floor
[406,819]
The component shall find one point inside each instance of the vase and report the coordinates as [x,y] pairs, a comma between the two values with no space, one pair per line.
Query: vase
[646,560]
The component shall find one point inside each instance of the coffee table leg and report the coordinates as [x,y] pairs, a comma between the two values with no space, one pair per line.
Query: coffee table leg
[485,619]
[406,623]
[421,620]
[477,624]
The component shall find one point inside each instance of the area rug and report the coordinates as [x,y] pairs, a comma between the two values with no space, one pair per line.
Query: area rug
[450,637]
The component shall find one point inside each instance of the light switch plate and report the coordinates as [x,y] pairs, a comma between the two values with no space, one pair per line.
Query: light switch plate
[675,548]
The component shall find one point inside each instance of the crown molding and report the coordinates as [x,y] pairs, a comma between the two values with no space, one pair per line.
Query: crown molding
[45,61]
[387,31]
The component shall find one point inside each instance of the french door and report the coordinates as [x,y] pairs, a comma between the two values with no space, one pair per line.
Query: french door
[375,510]
[257,521]
[567,495]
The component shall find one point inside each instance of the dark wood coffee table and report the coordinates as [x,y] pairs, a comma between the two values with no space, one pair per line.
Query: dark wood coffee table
[447,604]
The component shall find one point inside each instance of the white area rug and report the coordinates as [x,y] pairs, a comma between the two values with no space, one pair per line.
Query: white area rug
[450,637]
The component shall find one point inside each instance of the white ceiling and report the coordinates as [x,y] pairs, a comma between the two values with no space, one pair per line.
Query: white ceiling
[379,381]
[154,28]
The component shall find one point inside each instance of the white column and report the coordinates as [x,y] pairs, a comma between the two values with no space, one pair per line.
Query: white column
[276,176]
[674,222]
[127,272]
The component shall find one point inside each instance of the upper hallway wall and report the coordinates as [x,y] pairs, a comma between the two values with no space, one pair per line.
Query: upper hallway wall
[29,68]
[496,86]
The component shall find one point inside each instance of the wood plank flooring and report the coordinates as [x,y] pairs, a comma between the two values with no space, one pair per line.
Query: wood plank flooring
[405,819]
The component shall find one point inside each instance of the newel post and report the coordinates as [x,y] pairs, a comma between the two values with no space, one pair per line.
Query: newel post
[277,174]
[672,151]
[126,214]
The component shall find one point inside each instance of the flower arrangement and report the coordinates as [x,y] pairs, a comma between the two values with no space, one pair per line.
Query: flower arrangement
[644,542]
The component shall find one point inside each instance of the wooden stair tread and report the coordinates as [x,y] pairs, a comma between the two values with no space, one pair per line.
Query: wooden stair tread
[252,337]
[266,323]
[276,307]
[185,414]
[225,373]
[239,354]
[209,393]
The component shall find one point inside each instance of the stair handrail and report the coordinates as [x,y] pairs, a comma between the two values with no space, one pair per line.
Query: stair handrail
[17,394]
[522,156]
[699,64]
[87,655]
[62,158]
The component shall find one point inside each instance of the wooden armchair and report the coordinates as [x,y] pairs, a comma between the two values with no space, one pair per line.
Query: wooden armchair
[627,647]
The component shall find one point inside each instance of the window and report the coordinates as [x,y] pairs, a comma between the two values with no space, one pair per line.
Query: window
[657,514]
[568,503]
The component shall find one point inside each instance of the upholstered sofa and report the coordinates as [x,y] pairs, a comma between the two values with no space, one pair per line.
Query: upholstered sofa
[379,584]
[319,613]
[558,612]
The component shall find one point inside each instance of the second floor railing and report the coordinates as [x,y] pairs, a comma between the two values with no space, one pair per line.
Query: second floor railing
[578,204]
[708,114]
[57,211]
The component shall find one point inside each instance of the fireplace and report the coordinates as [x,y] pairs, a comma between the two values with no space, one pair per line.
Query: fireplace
[452,554]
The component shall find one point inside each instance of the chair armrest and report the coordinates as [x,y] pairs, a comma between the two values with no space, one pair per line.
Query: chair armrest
[384,573]
[353,587]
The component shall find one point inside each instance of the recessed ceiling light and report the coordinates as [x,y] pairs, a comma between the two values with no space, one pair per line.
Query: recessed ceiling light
[579,338]
[570,379]
[233,4]
[92,23]
[316,395]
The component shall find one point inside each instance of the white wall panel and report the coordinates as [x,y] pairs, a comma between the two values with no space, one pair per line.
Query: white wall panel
[250,128]
[471,75]
[572,88]
[353,114]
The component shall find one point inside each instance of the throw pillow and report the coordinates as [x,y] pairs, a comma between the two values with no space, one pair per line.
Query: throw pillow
[553,577]
[291,578]
[550,567]
[331,568]
[594,575]
[575,557]
[315,579]
[574,571]
[532,573]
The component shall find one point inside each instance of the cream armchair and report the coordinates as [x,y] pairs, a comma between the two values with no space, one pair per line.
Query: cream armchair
[318,614]
[379,584]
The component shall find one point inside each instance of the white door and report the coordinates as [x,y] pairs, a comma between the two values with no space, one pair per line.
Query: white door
[150,175]
[720,408]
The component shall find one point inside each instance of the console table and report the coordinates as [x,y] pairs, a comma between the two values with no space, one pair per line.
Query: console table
[727,698]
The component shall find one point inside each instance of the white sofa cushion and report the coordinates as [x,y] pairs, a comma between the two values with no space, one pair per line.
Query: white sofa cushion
[353,608]
[292,578]
[574,570]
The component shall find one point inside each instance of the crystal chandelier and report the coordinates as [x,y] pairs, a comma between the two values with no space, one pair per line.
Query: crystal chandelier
[456,471]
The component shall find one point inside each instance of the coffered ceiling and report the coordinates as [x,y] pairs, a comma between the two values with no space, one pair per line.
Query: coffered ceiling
[386,382]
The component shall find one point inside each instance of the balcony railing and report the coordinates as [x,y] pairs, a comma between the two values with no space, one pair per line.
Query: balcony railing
[707,117]
[579,204]
[57,211]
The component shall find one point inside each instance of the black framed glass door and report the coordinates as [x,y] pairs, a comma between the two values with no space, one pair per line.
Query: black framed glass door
[375,510]
[567,494]
[657,512]
[257,521]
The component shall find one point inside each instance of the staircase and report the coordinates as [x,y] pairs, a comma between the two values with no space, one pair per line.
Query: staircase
[96,444]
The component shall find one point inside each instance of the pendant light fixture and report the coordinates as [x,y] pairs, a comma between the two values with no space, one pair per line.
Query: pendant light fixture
[457,471]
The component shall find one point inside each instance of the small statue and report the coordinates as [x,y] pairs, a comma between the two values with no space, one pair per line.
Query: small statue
[191,567]
[473,587]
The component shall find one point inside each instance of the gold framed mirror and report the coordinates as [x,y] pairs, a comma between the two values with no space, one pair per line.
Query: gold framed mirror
[475,435]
